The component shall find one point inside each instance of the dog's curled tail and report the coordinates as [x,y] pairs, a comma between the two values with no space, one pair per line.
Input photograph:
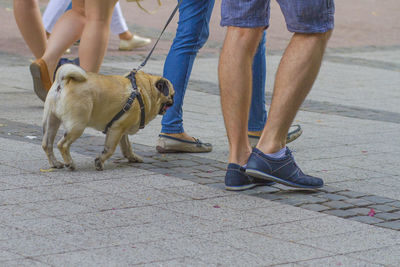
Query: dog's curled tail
[69,72]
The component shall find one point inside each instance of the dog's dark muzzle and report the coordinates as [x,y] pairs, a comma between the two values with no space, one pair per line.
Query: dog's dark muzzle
[166,106]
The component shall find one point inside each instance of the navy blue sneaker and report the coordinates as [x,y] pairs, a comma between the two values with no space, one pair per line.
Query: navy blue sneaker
[284,170]
[63,61]
[236,179]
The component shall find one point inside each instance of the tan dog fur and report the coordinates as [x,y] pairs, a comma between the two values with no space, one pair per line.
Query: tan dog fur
[78,99]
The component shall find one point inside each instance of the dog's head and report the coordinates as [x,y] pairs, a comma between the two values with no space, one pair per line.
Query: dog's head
[160,91]
[166,94]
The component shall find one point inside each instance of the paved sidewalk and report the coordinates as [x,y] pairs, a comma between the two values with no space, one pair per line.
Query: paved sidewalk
[172,209]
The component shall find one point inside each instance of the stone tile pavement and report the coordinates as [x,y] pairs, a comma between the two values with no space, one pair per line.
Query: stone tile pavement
[172,210]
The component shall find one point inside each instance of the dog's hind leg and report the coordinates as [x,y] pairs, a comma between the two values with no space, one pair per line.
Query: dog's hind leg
[127,150]
[51,125]
[65,143]
[112,138]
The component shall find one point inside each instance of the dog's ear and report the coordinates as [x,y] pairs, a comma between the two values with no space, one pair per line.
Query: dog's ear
[162,86]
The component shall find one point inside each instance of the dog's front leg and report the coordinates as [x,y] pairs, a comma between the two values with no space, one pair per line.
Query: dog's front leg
[50,127]
[127,150]
[112,138]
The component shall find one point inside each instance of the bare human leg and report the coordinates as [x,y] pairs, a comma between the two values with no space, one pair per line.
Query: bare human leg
[295,76]
[94,39]
[29,21]
[66,31]
[235,74]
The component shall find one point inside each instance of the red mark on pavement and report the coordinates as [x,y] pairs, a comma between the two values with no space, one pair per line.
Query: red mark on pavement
[371,213]
[216,206]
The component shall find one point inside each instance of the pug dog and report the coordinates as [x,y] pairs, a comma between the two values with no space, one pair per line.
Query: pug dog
[80,99]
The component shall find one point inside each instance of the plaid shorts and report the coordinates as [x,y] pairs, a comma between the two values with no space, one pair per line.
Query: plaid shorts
[301,16]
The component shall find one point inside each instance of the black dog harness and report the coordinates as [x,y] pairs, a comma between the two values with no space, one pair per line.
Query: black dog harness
[135,94]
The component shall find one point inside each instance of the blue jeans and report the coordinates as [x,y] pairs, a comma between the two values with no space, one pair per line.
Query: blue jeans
[191,35]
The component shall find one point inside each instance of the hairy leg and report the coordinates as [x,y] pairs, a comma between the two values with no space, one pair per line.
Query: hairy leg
[295,76]
[235,84]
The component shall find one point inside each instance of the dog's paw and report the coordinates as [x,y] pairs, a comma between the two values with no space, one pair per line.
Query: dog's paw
[57,165]
[98,164]
[135,159]
[71,166]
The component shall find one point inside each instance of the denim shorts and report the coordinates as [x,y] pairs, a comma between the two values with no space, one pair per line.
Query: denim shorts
[301,16]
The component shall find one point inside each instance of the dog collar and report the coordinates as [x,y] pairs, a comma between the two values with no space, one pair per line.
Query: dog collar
[135,94]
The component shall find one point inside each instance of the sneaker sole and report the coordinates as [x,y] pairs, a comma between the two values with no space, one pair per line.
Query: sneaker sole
[261,175]
[40,91]
[240,188]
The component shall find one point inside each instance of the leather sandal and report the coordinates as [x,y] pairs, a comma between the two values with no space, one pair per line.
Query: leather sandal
[169,144]
[294,132]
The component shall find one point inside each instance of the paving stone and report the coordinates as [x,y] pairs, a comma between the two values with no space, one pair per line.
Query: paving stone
[341,213]
[388,256]
[36,245]
[384,208]
[367,219]
[187,163]
[360,211]
[214,174]
[24,263]
[264,246]
[293,201]
[337,205]
[394,204]
[377,199]
[330,189]
[354,241]
[203,181]
[333,197]
[220,186]
[219,165]
[338,261]
[352,194]
[165,164]
[203,161]
[266,189]
[388,216]
[395,225]
[205,168]
[270,196]
[186,176]
[196,191]
[358,202]
[314,207]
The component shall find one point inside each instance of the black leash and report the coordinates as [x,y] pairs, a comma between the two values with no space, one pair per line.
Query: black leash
[159,37]
[131,76]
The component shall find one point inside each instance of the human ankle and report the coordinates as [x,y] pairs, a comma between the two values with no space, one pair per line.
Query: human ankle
[240,158]
[270,148]
[183,136]
[126,36]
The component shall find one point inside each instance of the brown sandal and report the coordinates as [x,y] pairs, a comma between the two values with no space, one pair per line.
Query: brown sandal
[41,79]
